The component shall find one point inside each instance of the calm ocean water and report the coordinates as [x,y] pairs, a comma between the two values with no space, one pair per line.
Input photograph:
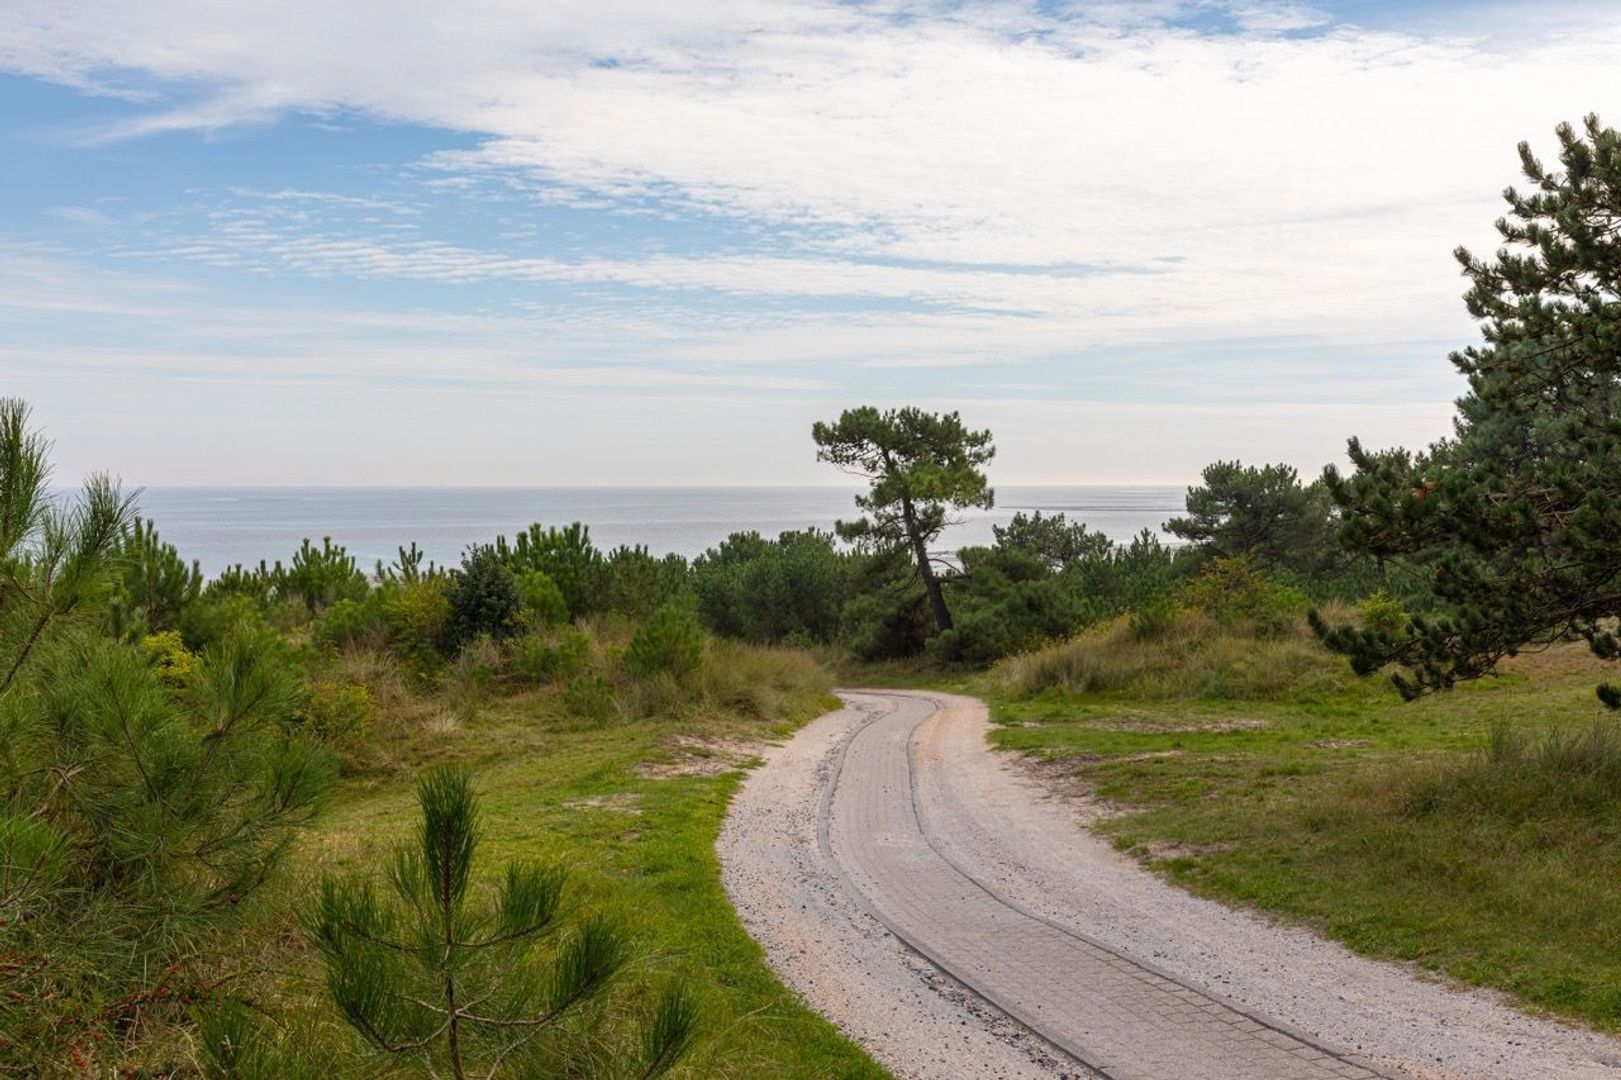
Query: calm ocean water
[221,526]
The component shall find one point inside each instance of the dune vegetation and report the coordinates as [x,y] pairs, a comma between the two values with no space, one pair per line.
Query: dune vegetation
[228,802]
[306,817]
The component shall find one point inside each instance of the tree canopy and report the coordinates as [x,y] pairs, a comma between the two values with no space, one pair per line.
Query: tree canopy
[920,466]
[1518,516]
[1264,512]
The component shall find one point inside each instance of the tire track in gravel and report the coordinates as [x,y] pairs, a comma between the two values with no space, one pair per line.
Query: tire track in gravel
[1123,1019]
[948,914]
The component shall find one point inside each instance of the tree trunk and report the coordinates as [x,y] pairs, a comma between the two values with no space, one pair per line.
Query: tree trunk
[925,569]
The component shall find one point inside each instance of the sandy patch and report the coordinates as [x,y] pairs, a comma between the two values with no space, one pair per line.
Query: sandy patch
[692,756]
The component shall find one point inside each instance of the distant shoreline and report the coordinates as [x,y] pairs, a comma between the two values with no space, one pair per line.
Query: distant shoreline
[219,526]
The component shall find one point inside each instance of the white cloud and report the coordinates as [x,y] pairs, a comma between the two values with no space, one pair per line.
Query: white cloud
[1316,180]
[1294,181]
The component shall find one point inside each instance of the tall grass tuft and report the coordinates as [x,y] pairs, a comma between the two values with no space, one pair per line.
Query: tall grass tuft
[760,682]
[1524,775]
[1183,653]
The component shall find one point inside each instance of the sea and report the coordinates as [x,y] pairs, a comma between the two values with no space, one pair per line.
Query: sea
[221,526]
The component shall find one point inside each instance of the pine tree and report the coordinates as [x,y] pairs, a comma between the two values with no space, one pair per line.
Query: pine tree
[1265,513]
[152,585]
[139,802]
[920,467]
[430,972]
[53,556]
[1518,516]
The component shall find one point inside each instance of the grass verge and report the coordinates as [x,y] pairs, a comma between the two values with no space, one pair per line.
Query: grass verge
[1475,833]
[632,807]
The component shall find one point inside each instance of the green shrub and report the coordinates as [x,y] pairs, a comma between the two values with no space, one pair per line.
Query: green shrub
[1233,590]
[765,591]
[1383,615]
[670,642]
[410,566]
[175,664]
[1012,602]
[338,713]
[886,624]
[168,807]
[483,599]
[1053,539]
[549,657]
[219,615]
[541,598]
[1154,620]
[415,614]
[590,697]
[349,623]
[254,584]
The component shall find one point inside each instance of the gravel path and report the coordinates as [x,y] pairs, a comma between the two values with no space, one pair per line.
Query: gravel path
[888,832]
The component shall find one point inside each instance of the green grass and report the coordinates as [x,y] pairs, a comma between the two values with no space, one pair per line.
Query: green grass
[1475,833]
[640,842]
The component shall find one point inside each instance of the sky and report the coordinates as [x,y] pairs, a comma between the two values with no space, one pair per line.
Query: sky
[637,242]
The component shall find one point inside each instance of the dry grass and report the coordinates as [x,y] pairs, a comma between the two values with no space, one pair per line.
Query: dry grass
[1190,656]
[759,682]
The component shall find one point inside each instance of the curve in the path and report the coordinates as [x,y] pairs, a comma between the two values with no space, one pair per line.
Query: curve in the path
[1122,1018]
[959,920]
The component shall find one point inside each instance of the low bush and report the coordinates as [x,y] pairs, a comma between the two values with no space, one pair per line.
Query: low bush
[137,816]
[636,583]
[219,615]
[1383,615]
[338,713]
[319,576]
[541,598]
[415,614]
[890,622]
[565,555]
[589,696]
[1015,616]
[152,586]
[548,656]
[670,642]
[1154,620]
[176,665]
[766,591]
[482,598]
[252,583]
[349,623]
[1235,593]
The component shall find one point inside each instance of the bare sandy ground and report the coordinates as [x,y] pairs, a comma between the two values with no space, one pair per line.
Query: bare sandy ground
[1033,849]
